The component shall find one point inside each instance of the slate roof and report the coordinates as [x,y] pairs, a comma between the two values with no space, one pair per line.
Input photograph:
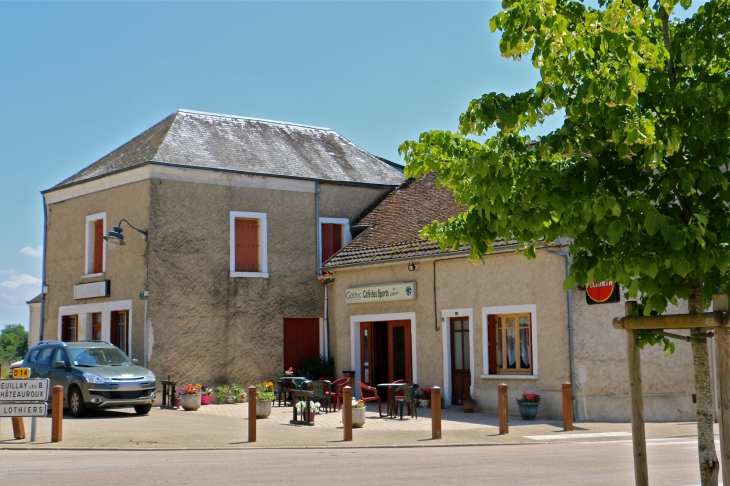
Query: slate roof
[245,145]
[395,223]
[35,300]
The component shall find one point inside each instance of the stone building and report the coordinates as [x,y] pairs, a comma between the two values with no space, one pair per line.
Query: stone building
[401,308]
[233,216]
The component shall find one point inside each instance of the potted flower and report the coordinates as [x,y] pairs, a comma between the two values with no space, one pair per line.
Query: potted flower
[190,399]
[467,401]
[264,398]
[239,396]
[358,413]
[313,408]
[528,404]
[424,396]
[289,372]
[205,395]
[178,399]
[222,393]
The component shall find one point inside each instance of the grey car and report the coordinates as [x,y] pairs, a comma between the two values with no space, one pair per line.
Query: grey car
[94,374]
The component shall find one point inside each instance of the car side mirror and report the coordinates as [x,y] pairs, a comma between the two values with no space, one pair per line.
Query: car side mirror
[135,361]
[59,365]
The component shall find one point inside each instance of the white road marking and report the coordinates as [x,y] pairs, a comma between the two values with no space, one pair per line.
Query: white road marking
[578,436]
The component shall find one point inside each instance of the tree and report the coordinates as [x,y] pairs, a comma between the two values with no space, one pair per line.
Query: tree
[636,175]
[13,342]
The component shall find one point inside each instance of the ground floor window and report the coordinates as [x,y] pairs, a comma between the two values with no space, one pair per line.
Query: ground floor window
[69,329]
[510,343]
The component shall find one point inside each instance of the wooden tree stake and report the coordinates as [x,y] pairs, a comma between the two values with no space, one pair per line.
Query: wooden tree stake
[252,414]
[633,353]
[722,366]
[347,413]
[435,412]
[567,406]
[502,404]
[57,414]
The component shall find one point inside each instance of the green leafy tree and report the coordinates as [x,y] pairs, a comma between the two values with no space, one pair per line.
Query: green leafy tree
[13,342]
[636,175]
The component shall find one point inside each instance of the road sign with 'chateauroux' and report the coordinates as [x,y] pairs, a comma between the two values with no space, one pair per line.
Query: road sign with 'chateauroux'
[30,390]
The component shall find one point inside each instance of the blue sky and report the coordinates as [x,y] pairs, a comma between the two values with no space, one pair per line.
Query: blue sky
[78,79]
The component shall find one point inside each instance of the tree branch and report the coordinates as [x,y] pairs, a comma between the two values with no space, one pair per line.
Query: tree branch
[667,45]
[686,213]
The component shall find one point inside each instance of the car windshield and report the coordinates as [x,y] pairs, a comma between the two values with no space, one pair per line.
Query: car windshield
[99,357]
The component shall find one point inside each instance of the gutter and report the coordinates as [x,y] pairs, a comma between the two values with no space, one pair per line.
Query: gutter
[571,331]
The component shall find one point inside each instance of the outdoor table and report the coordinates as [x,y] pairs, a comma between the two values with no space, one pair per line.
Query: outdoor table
[288,379]
[392,387]
[296,396]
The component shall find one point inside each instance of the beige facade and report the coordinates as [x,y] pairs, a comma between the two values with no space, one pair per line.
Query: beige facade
[505,283]
[203,325]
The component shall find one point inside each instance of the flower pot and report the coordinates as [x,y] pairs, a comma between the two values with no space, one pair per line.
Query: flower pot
[425,403]
[468,407]
[190,402]
[230,399]
[263,409]
[358,417]
[177,403]
[528,410]
[205,399]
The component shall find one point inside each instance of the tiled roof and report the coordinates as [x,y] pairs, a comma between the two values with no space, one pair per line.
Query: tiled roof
[246,145]
[396,222]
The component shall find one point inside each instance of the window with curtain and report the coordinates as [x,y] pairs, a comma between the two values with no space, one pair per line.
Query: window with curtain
[510,344]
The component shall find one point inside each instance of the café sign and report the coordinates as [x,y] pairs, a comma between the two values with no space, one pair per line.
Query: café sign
[381,293]
[602,292]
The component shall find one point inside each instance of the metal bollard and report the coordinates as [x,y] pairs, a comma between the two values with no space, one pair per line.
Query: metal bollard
[502,404]
[347,413]
[57,414]
[435,412]
[567,406]
[18,428]
[252,414]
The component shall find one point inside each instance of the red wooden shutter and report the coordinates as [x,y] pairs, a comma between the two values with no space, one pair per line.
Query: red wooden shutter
[336,238]
[98,246]
[114,329]
[327,241]
[492,339]
[247,245]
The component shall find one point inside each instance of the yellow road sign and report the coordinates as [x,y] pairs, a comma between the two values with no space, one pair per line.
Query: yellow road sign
[21,372]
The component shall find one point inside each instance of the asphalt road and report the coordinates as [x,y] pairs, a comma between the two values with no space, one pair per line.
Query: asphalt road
[671,461]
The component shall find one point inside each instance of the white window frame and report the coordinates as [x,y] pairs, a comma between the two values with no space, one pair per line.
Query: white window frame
[89,251]
[509,309]
[346,235]
[446,315]
[263,245]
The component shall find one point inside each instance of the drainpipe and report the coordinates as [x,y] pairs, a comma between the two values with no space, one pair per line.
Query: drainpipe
[571,331]
[43,269]
[316,227]
[325,324]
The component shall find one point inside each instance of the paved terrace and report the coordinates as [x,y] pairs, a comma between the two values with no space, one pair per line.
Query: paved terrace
[226,427]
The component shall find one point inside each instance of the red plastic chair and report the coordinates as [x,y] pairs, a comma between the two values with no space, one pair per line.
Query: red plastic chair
[369,389]
[337,390]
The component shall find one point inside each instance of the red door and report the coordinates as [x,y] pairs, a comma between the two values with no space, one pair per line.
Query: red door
[366,353]
[399,351]
[301,340]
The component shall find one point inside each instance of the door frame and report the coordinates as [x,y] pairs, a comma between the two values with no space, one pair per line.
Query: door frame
[446,315]
[355,341]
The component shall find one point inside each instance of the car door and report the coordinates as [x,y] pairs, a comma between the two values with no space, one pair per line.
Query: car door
[60,376]
[42,365]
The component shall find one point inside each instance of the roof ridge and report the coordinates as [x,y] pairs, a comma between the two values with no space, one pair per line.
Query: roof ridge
[239,117]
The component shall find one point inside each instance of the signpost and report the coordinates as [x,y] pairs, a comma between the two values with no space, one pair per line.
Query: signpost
[23,397]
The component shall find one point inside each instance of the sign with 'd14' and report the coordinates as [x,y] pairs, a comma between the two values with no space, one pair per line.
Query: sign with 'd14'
[30,390]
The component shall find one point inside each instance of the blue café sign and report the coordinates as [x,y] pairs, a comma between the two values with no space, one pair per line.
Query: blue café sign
[381,293]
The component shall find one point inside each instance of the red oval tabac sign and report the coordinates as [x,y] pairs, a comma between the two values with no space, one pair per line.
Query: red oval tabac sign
[601,292]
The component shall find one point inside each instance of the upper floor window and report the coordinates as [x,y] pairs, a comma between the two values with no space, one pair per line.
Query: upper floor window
[249,251]
[334,234]
[95,248]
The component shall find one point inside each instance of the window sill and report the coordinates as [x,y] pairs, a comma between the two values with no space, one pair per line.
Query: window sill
[249,275]
[93,275]
[509,377]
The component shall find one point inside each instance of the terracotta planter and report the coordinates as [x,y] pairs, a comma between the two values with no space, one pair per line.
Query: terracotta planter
[205,399]
[263,409]
[426,403]
[528,410]
[190,402]
[468,407]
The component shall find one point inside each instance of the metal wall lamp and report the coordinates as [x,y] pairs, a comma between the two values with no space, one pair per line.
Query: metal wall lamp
[116,237]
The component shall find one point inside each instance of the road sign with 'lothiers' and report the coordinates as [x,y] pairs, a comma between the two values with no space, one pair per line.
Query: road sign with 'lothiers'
[23,409]
[30,390]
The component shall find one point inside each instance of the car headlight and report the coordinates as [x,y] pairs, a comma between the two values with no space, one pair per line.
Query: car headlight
[93,378]
[150,376]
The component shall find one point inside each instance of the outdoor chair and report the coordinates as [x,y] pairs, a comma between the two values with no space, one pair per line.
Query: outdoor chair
[399,394]
[336,391]
[320,393]
[408,398]
[281,392]
[374,397]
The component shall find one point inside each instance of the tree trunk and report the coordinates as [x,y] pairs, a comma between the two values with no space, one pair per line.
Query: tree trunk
[709,465]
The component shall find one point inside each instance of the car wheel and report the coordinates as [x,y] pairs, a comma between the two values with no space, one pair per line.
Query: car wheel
[143,409]
[76,403]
